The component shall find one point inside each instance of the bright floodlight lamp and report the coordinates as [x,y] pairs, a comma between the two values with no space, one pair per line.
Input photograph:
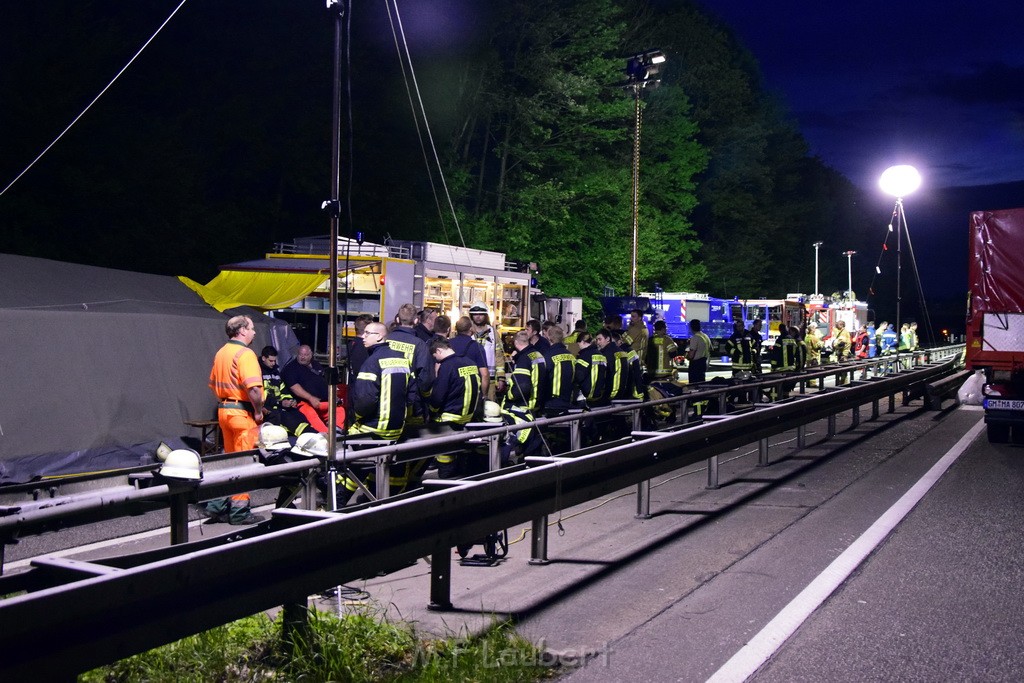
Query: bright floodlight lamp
[899,181]
[642,69]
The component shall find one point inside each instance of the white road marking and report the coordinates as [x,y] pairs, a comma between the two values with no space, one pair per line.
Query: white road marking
[767,642]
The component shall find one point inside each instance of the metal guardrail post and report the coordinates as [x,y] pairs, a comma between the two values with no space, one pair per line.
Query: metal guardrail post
[874,409]
[856,416]
[762,453]
[295,621]
[494,452]
[179,518]
[440,579]
[713,472]
[643,499]
[684,406]
[309,492]
[831,425]
[539,541]
[801,436]
[574,436]
[382,477]
[892,403]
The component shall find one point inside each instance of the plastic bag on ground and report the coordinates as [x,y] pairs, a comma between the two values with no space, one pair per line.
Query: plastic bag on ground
[970,391]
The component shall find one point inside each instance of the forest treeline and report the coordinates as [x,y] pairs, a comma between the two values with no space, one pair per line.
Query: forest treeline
[216,143]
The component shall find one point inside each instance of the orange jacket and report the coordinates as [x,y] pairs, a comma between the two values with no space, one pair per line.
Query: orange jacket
[235,370]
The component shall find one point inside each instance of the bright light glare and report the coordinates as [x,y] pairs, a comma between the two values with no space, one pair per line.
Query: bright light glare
[899,181]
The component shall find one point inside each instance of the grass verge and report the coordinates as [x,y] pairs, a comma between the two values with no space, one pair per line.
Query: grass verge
[356,647]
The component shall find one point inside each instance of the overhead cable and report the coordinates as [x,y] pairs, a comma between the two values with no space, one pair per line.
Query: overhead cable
[95,99]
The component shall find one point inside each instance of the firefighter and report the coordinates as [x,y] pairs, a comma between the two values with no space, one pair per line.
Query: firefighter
[783,356]
[528,375]
[738,347]
[754,335]
[404,340]
[494,352]
[698,354]
[453,400]
[281,406]
[378,398]
[661,348]
[591,374]
[561,367]
[636,334]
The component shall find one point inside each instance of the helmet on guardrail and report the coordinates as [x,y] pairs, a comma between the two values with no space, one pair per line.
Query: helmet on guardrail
[492,412]
[273,439]
[311,444]
[182,463]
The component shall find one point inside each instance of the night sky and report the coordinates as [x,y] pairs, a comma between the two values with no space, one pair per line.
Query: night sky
[936,84]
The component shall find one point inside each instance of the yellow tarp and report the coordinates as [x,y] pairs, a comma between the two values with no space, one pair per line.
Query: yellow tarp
[265,291]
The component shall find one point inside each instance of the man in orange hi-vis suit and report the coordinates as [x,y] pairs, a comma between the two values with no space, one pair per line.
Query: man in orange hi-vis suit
[237,381]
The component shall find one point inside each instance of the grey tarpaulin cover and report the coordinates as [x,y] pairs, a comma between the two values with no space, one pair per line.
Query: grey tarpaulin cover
[97,361]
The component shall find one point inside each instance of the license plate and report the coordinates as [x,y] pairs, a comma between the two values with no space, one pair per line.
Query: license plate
[1003,404]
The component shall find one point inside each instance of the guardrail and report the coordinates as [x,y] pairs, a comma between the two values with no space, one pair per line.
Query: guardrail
[77,615]
[40,507]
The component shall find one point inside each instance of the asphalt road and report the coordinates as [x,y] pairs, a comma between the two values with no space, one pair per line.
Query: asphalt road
[676,596]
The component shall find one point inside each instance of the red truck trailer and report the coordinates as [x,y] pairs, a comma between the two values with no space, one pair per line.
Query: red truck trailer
[995,318]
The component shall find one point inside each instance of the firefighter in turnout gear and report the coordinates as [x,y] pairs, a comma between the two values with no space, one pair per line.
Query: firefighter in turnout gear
[591,374]
[378,398]
[453,400]
[405,340]
[661,348]
[528,377]
[561,368]
[281,406]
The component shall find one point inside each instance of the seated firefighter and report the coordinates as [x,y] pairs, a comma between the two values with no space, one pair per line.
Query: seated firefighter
[279,406]
[306,380]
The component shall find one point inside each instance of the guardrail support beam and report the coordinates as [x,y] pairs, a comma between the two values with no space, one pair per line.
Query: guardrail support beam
[762,453]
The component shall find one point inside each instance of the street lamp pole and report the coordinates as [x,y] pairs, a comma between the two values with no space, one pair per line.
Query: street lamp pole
[849,274]
[817,246]
[641,72]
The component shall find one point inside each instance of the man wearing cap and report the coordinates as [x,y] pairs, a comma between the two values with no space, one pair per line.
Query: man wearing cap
[494,352]
[237,382]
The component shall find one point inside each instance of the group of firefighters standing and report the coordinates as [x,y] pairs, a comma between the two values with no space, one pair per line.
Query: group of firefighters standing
[420,377]
[797,348]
